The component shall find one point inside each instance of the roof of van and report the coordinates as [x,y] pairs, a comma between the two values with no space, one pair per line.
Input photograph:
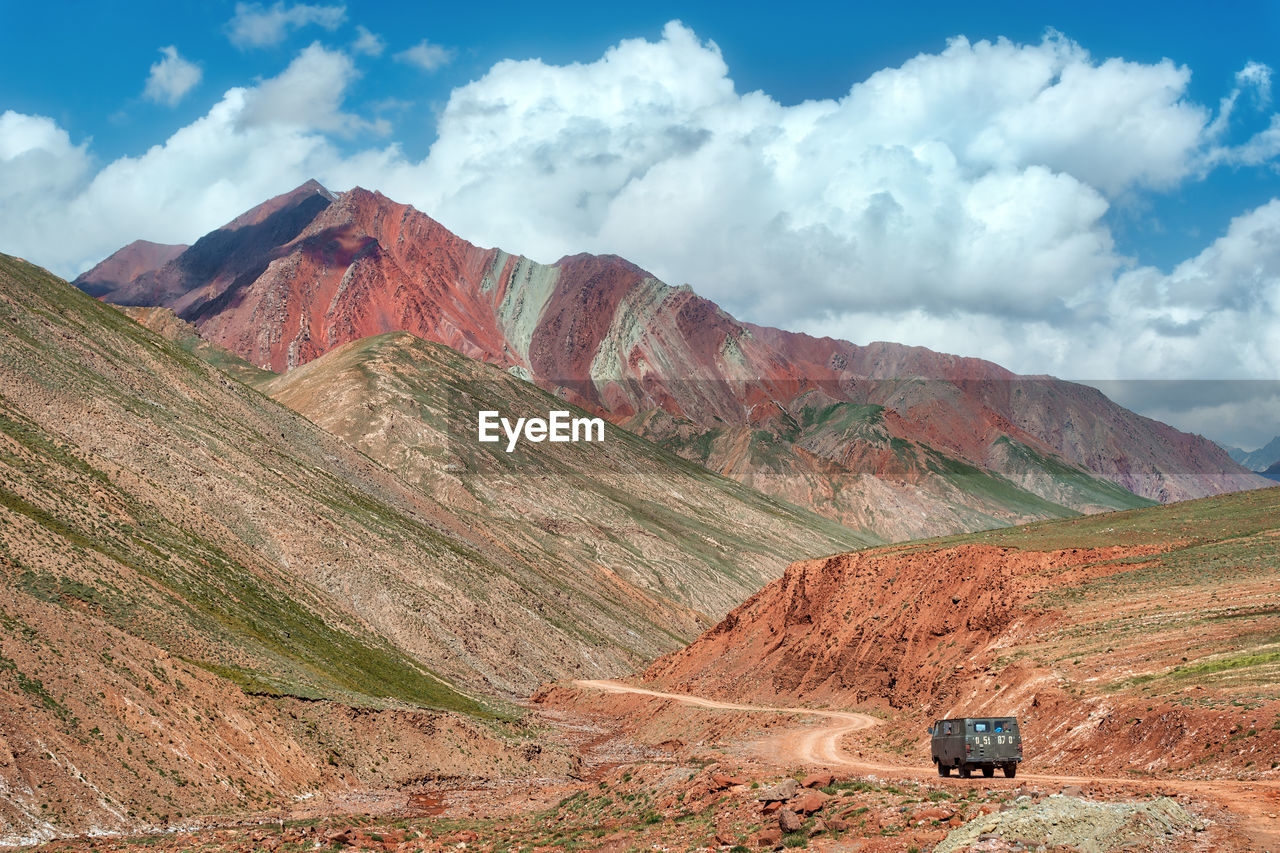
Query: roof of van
[1013,717]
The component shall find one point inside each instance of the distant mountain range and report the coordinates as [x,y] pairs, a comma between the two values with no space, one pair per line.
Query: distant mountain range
[1257,460]
[895,440]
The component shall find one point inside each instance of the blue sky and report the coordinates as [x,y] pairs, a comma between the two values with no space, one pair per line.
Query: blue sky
[1110,221]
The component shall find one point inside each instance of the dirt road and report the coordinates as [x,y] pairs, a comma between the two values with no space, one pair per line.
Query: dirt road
[1256,803]
[808,746]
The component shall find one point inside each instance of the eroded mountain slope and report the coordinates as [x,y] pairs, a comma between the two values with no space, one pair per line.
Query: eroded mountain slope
[621,508]
[277,493]
[962,443]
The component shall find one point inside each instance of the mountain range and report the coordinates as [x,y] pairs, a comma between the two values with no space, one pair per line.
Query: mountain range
[1257,460]
[893,440]
[209,603]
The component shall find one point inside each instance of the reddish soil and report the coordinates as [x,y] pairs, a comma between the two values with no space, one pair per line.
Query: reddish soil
[577,318]
[677,772]
[1140,662]
[865,626]
[965,630]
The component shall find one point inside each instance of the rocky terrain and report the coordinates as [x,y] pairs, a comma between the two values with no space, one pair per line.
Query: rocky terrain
[897,440]
[646,784]
[1080,627]
[1142,641]
[210,604]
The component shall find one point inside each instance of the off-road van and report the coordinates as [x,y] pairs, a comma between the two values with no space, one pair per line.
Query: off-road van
[984,743]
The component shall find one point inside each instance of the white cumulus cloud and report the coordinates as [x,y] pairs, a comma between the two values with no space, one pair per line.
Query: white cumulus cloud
[254,143]
[427,56]
[307,95]
[1256,76]
[368,43]
[255,25]
[981,173]
[171,78]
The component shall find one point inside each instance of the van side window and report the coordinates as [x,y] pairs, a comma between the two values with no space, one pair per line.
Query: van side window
[979,727]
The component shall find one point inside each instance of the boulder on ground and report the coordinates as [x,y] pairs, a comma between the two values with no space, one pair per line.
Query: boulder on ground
[818,780]
[781,792]
[809,802]
[725,780]
[1073,822]
[769,837]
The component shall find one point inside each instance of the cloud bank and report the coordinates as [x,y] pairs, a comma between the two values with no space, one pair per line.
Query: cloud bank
[958,201]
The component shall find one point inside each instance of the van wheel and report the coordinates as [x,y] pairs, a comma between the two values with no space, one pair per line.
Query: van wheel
[1011,770]
[944,769]
[965,771]
[989,771]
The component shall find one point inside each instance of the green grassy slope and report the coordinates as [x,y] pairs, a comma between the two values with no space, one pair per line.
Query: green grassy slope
[167,324]
[119,453]
[1239,516]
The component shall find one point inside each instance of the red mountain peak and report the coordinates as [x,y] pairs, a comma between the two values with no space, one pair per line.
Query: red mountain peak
[292,199]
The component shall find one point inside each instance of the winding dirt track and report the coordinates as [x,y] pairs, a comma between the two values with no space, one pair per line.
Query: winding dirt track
[1256,803]
[809,746]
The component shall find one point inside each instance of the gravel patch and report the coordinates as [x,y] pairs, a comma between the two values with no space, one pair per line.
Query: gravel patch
[1072,821]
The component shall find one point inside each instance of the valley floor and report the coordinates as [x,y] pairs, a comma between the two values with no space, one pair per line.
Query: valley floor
[664,771]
